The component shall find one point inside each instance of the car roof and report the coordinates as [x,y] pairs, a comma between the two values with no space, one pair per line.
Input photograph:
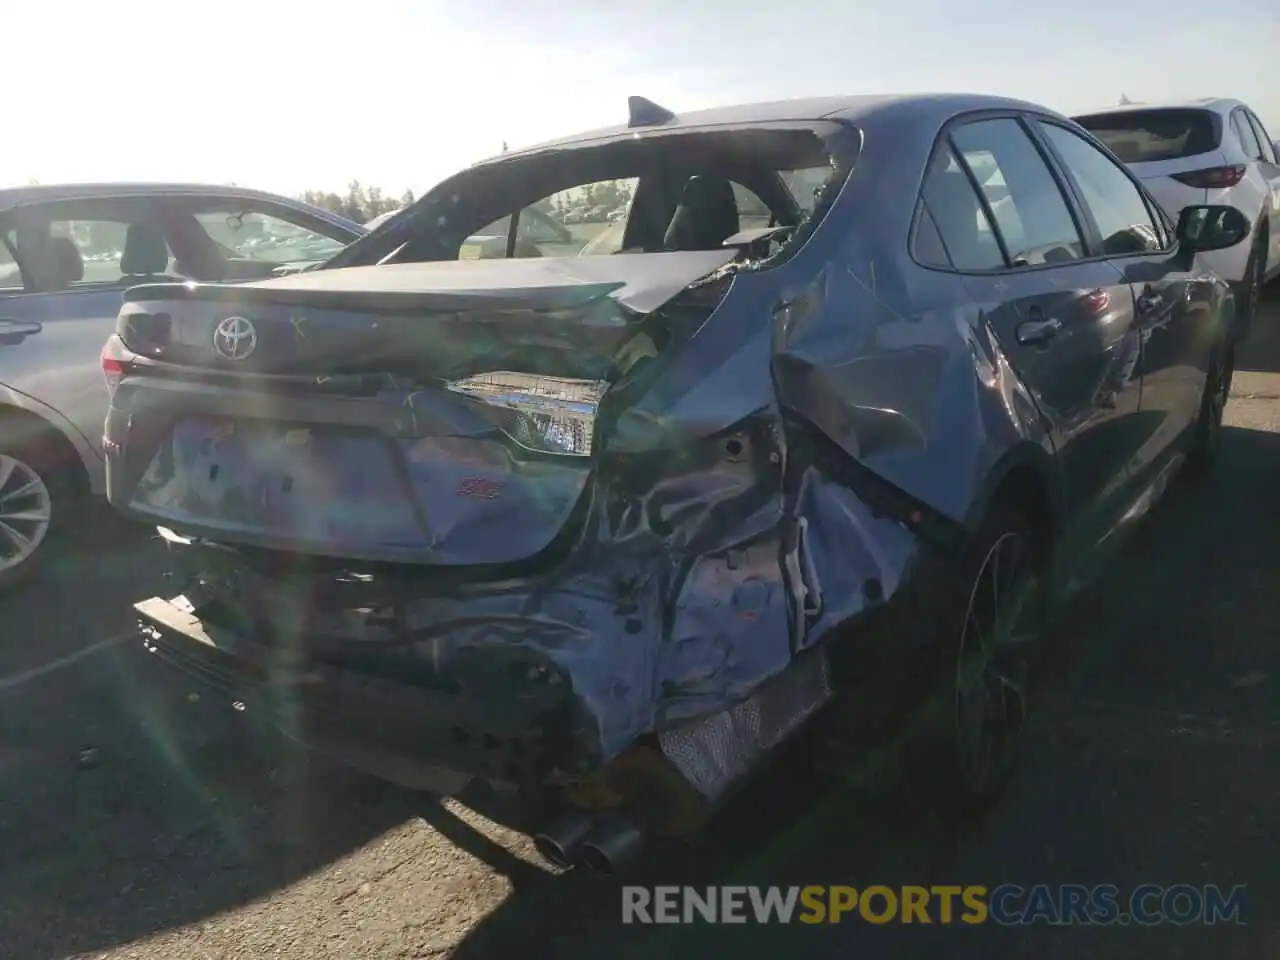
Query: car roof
[48,193]
[934,108]
[1215,104]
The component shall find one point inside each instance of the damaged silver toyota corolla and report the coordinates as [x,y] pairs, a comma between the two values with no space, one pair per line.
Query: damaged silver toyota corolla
[804,415]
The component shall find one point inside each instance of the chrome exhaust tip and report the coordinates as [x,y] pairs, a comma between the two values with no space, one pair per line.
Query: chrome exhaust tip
[613,842]
[559,843]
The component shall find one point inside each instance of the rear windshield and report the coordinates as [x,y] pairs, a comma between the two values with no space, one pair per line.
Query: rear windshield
[679,191]
[1140,136]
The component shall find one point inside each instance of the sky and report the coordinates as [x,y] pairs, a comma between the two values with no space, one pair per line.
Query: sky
[286,95]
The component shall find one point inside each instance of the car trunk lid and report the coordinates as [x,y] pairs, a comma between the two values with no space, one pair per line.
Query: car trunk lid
[565,316]
[430,413]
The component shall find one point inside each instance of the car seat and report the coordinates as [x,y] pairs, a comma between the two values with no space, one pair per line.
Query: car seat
[706,216]
[146,255]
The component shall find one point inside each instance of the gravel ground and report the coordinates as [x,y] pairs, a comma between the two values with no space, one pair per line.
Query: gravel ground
[140,819]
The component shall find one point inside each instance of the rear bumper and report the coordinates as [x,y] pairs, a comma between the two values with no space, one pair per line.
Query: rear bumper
[420,738]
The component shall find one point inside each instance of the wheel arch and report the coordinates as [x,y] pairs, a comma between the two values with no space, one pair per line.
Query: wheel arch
[1025,476]
[20,415]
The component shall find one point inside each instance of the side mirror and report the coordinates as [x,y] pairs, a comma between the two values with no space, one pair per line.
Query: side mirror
[1275,147]
[1203,228]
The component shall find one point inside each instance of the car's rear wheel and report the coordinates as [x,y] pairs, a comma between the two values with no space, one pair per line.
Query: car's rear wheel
[34,493]
[976,717]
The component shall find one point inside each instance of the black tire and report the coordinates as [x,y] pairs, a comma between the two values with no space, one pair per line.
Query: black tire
[37,494]
[1251,286]
[972,725]
[1203,449]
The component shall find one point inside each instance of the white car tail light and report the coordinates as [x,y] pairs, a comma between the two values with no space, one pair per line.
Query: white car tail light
[1212,178]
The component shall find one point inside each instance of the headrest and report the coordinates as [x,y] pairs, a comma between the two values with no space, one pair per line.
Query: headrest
[708,193]
[706,217]
[66,266]
[146,251]
[54,262]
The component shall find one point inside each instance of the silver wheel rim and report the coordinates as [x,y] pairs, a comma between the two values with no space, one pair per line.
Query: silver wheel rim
[991,671]
[26,509]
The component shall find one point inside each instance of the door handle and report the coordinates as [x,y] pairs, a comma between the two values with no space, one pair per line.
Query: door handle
[1036,333]
[14,331]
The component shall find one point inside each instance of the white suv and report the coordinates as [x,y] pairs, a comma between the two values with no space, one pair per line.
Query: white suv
[1206,151]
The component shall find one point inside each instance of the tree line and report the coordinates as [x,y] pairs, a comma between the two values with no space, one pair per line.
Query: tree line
[359,203]
[362,204]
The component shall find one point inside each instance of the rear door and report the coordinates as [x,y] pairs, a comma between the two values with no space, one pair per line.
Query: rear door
[1176,329]
[77,259]
[1065,320]
[70,255]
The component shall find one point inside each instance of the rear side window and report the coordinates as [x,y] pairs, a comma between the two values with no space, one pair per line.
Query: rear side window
[1025,199]
[929,248]
[954,230]
[63,254]
[1143,136]
[1247,139]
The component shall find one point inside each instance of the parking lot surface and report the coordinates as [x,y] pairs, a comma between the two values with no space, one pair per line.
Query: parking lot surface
[141,818]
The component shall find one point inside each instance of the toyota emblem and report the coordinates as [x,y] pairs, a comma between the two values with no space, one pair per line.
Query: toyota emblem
[235,338]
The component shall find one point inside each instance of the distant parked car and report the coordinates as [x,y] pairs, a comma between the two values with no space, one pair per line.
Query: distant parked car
[1206,151]
[67,254]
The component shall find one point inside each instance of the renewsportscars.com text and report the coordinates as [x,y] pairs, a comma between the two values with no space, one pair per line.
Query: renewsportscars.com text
[1006,905]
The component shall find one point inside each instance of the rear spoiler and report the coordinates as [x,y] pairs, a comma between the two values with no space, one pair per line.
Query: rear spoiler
[640,282]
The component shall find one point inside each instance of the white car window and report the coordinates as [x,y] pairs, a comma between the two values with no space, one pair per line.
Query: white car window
[1244,133]
[1264,139]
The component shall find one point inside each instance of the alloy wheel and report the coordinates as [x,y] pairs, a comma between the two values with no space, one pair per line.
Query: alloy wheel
[26,510]
[993,667]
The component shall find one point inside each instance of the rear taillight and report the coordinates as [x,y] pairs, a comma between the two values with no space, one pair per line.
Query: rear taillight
[117,362]
[1212,178]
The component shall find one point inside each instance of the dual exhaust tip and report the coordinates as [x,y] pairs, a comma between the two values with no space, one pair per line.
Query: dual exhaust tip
[602,844]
